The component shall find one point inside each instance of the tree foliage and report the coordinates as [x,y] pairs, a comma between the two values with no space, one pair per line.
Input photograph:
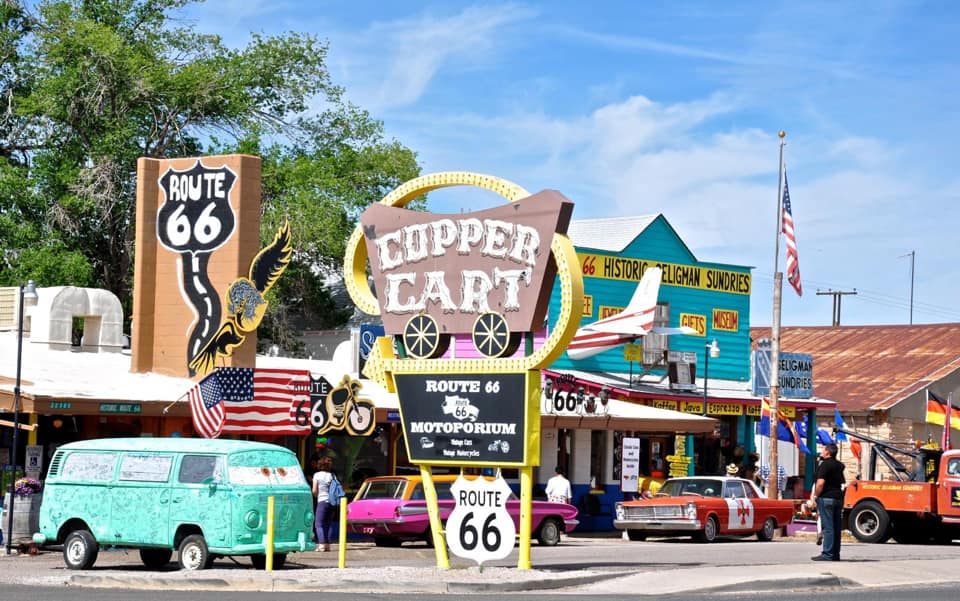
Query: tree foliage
[89,86]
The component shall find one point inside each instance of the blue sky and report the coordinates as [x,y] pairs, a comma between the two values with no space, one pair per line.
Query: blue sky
[637,108]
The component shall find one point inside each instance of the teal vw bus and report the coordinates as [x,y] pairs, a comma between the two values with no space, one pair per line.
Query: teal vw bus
[203,498]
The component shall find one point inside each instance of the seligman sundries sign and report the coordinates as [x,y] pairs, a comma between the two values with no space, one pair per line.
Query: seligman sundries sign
[455,268]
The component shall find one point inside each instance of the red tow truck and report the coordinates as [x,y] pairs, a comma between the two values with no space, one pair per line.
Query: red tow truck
[920,503]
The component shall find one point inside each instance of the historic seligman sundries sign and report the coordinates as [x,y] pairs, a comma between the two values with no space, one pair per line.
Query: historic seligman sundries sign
[464,417]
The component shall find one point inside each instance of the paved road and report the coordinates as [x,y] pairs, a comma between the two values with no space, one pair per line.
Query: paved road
[579,565]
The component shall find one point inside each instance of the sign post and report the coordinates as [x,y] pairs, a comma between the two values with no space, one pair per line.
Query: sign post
[483,278]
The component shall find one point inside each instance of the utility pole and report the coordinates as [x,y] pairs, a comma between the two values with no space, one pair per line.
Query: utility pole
[773,487]
[837,297]
[912,254]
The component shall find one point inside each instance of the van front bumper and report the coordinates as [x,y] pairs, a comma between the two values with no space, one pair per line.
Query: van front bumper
[301,544]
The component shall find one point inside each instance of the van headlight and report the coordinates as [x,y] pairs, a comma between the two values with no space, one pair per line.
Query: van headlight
[252,519]
[620,512]
[691,511]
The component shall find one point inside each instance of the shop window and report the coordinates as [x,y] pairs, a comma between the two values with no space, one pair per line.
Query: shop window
[598,458]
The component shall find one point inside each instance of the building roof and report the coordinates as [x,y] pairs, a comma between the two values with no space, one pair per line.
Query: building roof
[873,367]
[612,234]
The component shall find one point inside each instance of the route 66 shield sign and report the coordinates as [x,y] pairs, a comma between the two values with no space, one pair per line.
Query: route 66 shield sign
[479,527]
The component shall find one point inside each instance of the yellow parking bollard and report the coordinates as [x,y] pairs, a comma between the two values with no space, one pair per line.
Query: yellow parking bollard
[269,566]
[342,535]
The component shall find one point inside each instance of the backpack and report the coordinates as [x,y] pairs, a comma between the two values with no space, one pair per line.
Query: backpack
[335,492]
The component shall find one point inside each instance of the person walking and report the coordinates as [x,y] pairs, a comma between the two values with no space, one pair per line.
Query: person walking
[827,497]
[323,522]
[558,487]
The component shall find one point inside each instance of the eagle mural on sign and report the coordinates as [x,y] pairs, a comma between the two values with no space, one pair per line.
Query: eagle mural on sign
[246,301]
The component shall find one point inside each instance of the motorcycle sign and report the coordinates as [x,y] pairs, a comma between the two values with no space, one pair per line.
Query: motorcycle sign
[479,527]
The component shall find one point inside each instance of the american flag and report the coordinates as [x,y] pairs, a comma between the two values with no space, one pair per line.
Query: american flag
[793,259]
[259,401]
[206,407]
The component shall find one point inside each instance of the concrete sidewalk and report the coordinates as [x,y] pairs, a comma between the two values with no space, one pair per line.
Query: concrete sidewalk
[369,571]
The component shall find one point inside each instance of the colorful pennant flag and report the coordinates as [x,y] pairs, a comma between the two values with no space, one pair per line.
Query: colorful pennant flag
[939,412]
[785,428]
[855,446]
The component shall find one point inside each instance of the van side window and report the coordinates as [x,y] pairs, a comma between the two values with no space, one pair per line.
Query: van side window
[142,467]
[92,467]
[194,469]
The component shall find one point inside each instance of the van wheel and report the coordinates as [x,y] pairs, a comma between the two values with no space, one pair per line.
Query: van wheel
[549,535]
[260,561]
[80,550]
[194,554]
[154,558]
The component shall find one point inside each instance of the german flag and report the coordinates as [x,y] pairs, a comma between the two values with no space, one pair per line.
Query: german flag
[937,411]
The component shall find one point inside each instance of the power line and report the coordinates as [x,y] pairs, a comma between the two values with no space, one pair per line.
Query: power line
[877,298]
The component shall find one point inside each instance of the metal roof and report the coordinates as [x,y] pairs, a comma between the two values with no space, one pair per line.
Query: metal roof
[612,234]
[873,367]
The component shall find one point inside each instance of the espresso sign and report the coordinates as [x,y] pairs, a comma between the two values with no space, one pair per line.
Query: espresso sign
[455,268]
[464,419]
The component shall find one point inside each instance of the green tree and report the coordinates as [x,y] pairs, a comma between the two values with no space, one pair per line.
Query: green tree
[91,85]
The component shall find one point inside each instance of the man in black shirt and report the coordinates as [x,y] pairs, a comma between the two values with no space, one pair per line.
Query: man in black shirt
[828,497]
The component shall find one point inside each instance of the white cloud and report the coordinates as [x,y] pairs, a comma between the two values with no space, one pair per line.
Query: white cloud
[391,64]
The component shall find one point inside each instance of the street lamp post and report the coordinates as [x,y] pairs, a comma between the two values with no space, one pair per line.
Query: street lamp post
[26,292]
[711,349]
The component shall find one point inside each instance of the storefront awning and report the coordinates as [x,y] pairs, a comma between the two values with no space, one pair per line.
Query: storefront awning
[621,415]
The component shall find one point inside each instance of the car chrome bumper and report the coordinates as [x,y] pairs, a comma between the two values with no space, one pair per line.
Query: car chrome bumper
[661,525]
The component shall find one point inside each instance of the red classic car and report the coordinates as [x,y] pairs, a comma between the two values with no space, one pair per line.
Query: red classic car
[392,509]
[705,507]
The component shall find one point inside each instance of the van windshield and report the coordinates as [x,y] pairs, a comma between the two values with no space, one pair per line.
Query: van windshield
[264,467]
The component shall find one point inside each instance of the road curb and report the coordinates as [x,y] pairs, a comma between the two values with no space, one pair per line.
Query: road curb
[274,584]
[768,585]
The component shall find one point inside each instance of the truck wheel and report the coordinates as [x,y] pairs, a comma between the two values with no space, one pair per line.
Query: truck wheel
[870,522]
[80,550]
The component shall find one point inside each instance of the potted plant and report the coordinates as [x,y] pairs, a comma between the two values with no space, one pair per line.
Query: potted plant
[26,508]
[24,487]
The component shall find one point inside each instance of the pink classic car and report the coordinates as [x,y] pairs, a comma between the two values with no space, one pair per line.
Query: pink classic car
[392,509]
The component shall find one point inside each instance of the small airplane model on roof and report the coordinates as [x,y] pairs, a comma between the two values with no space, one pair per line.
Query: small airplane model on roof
[634,322]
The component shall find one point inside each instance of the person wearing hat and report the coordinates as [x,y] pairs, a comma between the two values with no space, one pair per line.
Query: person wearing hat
[732,469]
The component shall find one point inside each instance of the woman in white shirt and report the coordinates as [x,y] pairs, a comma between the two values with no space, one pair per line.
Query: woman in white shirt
[321,490]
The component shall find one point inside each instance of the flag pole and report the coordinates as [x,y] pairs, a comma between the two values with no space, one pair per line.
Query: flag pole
[773,487]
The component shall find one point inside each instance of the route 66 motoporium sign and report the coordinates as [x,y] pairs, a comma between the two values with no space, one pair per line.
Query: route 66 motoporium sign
[464,419]
[479,527]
